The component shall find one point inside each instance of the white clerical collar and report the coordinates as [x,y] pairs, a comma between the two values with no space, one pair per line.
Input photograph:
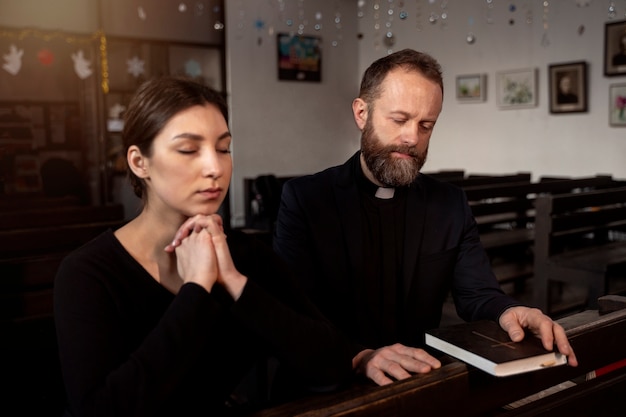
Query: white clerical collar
[385,193]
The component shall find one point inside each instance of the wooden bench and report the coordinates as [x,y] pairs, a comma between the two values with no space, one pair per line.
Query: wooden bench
[474,180]
[505,215]
[457,389]
[575,242]
[34,238]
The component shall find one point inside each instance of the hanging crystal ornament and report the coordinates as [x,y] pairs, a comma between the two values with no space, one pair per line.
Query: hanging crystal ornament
[389,39]
[338,32]
[470,38]
[611,12]
[302,22]
[199,8]
[281,10]
[512,9]
[444,13]
[241,20]
[218,24]
[376,15]
[529,14]
[418,15]
[489,11]
[545,41]
[402,14]
[360,5]
[433,17]
[318,21]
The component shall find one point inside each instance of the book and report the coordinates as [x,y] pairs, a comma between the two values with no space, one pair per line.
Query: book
[484,345]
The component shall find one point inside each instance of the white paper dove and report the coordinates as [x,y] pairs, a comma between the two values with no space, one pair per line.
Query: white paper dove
[81,65]
[13,60]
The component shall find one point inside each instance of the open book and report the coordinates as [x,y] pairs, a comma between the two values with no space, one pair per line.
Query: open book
[485,345]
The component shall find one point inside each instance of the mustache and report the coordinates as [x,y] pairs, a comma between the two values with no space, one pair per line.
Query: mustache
[407,150]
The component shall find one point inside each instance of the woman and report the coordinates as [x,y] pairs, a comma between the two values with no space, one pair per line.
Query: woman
[146,329]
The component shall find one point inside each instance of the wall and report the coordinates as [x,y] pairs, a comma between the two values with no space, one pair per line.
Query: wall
[479,137]
[288,127]
[291,128]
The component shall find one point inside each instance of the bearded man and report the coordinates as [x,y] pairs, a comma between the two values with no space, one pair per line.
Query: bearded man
[378,245]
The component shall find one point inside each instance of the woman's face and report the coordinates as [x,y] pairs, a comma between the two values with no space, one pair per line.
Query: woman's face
[190,167]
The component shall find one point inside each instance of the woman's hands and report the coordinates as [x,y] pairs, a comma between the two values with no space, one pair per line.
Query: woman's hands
[203,256]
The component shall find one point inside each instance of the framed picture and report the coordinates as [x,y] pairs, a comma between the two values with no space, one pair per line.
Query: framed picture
[617,105]
[471,88]
[299,57]
[568,87]
[615,48]
[516,89]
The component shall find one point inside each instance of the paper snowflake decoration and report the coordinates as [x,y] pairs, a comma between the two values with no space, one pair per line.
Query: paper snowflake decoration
[192,68]
[135,66]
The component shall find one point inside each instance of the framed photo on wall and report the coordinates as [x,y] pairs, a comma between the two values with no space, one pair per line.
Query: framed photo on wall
[615,48]
[471,88]
[568,87]
[516,89]
[617,105]
[299,57]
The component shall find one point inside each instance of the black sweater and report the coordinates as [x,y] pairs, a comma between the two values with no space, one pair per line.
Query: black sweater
[128,347]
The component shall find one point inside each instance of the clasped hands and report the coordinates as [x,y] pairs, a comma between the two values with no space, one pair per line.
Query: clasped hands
[397,362]
[203,256]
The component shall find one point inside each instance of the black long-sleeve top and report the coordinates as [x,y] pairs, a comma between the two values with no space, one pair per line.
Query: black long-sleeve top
[129,347]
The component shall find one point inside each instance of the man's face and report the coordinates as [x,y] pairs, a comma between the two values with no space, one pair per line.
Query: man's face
[396,129]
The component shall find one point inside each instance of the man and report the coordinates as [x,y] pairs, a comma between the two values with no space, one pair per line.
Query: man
[565,94]
[379,245]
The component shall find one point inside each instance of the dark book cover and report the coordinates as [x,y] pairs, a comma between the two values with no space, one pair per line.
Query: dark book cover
[485,345]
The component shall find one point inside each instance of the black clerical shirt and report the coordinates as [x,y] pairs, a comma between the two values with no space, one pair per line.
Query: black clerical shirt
[383,237]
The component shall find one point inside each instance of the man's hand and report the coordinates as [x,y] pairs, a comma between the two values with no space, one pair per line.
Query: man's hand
[515,319]
[397,361]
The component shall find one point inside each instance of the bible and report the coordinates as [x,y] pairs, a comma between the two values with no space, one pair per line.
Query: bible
[484,345]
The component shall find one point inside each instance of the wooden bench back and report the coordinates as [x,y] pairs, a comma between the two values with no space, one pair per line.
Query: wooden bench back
[480,180]
[516,199]
[577,217]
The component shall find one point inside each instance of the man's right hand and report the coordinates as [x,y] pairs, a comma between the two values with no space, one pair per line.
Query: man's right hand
[395,361]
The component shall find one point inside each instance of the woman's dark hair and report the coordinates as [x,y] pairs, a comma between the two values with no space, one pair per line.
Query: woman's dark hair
[409,59]
[153,105]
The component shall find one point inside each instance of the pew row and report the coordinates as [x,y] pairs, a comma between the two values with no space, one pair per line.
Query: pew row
[505,215]
[461,390]
[34,238]
[580,240]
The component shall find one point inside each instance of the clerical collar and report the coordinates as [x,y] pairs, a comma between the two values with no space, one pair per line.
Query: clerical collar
[385,193]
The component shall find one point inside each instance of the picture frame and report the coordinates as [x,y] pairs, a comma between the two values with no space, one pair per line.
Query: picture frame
[299,57]
[516,89]
[617,105]
[615,48]
[568,87]
[471,88]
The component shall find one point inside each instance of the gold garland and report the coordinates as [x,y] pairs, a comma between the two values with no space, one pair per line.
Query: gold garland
[71,39]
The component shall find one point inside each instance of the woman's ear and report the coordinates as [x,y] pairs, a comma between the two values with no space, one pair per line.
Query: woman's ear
[137,162]
[360,113]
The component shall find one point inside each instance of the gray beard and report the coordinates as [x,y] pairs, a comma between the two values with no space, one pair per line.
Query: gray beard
[390,171]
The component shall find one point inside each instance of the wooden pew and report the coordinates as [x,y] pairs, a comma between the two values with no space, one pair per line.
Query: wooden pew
[33,241]
[57,229]
[574,244]
[447,174]
[459,390]
[475,180]
[505,215]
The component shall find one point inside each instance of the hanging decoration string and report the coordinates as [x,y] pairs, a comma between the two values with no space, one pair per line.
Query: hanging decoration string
[49,36]
[104,63]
